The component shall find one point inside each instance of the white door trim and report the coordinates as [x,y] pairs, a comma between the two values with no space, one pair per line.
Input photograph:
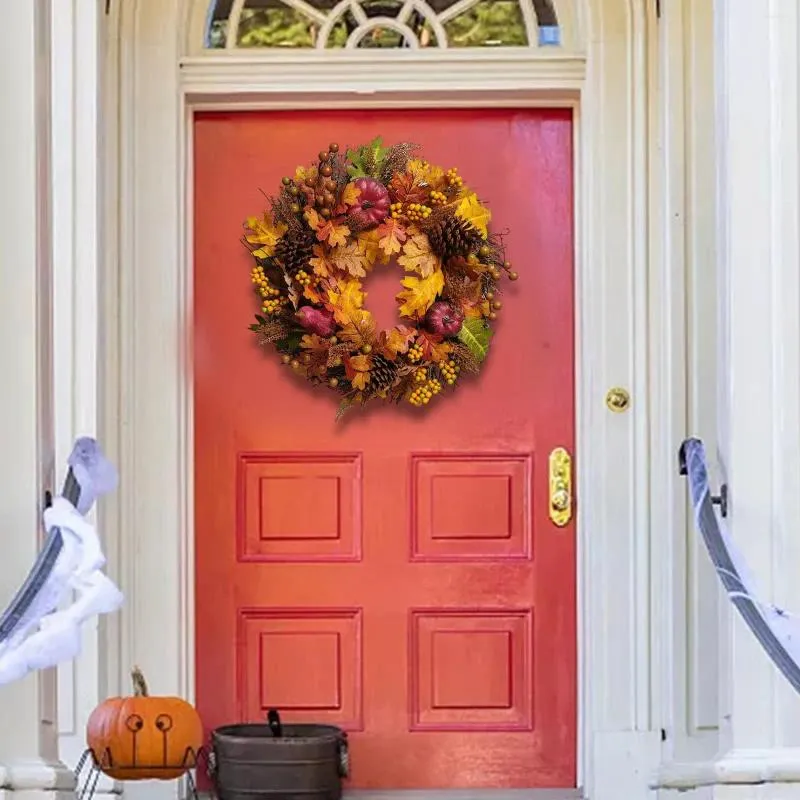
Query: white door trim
[146,404]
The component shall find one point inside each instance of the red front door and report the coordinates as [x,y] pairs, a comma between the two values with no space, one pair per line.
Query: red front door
[395,573]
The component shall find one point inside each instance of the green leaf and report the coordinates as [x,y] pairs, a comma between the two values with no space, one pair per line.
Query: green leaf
[291,344]
[367,160]
[475,334]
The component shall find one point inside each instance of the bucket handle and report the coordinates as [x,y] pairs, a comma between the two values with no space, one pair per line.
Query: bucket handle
[343,749]
[211,764]
[274,722]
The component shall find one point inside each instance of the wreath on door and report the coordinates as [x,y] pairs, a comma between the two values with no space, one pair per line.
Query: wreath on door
[335,221]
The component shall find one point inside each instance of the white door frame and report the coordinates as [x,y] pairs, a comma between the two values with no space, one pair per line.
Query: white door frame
[626,336]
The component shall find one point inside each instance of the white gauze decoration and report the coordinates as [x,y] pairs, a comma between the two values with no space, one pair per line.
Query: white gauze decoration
[34,633]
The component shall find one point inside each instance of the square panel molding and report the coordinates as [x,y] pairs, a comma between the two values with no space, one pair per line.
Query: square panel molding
[471,507]
[306,662]
[471,669]
[299,507]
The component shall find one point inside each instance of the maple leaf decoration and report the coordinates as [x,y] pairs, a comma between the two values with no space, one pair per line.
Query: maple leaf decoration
[369,246]
[361,330]
[391,236]
[313,307]
[346,300]
[396,341]
[407,189]
[419,294]
[265,232]
[418,257]
[321,262]
[477,215]
[357,370]
[349,258]
[315,353]
[350,195]
[326,230]
[434,347]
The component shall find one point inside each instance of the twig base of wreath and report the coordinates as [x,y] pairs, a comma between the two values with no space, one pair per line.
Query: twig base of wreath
[335,221]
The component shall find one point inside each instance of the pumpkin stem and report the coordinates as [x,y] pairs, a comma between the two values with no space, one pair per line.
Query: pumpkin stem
[139,683]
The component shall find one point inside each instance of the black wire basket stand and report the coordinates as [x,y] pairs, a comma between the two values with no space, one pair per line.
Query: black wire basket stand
[92,765]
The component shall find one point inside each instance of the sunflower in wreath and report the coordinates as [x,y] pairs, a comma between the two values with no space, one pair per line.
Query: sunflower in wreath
[329,226]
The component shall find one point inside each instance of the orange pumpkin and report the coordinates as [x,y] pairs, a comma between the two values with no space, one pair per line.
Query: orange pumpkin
[143,737]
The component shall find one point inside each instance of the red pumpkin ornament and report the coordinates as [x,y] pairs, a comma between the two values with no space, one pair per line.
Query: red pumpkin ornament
[444,319]
[314,320]
[142,737]
[372,206]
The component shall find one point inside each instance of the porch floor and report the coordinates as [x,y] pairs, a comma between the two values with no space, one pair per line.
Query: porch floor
[465,794]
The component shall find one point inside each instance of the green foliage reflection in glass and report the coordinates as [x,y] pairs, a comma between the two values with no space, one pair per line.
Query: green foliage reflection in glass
[488,23]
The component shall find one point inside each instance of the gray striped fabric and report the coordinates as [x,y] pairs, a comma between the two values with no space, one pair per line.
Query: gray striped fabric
[89,476]
[777,633]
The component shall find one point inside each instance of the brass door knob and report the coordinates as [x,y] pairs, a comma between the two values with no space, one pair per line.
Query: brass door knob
[560,500]
[618,400]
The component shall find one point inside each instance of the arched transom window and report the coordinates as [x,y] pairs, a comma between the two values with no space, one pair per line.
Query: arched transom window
[359,24]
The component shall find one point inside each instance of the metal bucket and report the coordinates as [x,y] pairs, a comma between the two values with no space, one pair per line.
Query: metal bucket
[279,762]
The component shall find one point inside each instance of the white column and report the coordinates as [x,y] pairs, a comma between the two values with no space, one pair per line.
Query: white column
[74,102]
[28,734]
[757,105]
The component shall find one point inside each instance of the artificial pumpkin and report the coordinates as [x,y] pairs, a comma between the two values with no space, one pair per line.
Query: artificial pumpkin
[444,319]
[373,204]
[143,737]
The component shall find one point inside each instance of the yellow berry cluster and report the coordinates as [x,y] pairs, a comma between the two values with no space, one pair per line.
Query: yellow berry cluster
[450,372]
[415,353]
[416,212]
[422,395]
[438,198]
[271,306]
[421,375]
[261,282]
[396,210]
[271,296]
[453,178]
[303,278]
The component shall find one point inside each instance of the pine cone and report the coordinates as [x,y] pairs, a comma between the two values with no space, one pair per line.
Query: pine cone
[383,373]
[294,251]
[451,237]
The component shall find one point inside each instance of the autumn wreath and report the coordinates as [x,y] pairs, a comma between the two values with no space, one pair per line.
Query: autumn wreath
[335,221]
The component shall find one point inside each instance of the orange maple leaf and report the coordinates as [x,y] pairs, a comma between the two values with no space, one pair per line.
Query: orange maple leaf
[473,212]
[406,188]
[419,294]
[360,330]
[369,247]
[321,261]
[477,310]
[418,256]
[434,348]
[311,341]
[349,258]
[391,236]
[357,370]
[327,230]
[351,194]
[266,232]
[312,293]
[346,299]
[423,172]
[396,340]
